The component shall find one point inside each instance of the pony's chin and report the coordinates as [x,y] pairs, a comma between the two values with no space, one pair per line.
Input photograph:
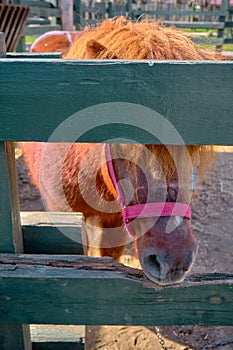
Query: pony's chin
[164,282]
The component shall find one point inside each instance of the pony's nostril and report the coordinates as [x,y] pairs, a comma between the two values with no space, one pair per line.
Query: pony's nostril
[155,265]
[153,261]
[188,262]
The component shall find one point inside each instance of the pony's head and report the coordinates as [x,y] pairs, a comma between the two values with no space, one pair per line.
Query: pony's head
[165,244]
[154,185]
[54,41]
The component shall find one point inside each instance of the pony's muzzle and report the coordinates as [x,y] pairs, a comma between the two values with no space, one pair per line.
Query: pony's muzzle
[163,270]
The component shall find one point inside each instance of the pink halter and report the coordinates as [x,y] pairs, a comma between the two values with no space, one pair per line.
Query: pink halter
[147,209]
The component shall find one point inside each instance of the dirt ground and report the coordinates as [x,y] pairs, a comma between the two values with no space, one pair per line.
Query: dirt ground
[212,225]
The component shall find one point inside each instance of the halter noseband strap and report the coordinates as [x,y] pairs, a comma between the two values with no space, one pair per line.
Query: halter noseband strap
[155,209]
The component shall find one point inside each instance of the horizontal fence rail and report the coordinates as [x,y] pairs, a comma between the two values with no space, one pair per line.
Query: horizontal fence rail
[82,290]
[192,96]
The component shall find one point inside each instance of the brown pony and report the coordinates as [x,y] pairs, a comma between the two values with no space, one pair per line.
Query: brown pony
[54,41]
[76,177]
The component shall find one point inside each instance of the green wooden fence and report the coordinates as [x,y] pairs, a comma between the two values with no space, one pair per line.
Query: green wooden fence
[36,284]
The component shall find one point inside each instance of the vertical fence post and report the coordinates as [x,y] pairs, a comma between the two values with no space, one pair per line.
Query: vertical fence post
[12,336]
[78,14]
[2,45]
[129,9]
[66,7]
[109,9]
[222,18]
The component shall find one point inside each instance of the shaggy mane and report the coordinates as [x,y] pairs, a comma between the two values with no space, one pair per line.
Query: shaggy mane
[120,38]
[123,39]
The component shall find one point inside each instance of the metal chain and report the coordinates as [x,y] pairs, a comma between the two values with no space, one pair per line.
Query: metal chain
[213,345]
[160,338]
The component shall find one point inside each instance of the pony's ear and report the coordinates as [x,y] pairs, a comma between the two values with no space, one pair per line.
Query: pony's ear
[94,48]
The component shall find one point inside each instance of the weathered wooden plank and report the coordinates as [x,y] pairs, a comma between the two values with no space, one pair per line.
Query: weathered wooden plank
[52,233]
[14,197]
[202,25]
[44,289]
[193,96]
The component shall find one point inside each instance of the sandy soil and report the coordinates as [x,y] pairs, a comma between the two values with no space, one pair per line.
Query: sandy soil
[212,224]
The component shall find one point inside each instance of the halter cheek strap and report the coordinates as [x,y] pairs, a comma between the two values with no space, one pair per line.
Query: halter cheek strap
[145,210]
